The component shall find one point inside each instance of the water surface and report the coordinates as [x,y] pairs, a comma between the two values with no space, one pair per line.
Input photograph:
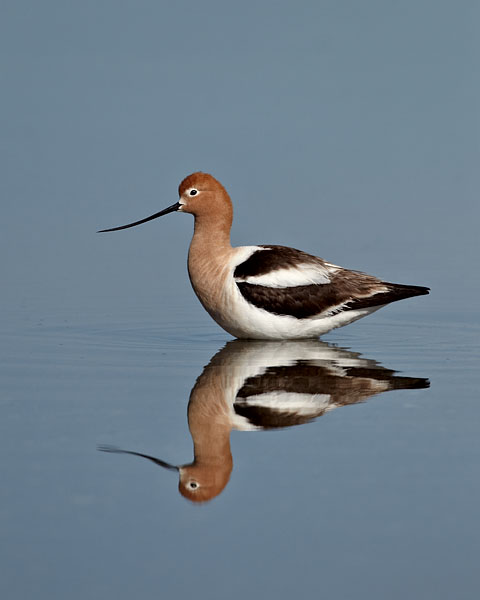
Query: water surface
[342,464]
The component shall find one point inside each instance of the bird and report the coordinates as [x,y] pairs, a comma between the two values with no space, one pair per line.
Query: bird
[255,386]
[268,291]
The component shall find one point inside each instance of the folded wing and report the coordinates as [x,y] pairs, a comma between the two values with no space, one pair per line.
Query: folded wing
[286,281]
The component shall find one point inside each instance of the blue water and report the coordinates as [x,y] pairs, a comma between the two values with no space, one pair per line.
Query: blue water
[376,498]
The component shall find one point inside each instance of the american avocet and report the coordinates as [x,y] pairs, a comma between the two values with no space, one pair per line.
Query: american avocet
[257,385]
[268,291]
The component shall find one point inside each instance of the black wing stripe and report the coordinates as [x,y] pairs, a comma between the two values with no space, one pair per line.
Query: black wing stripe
[272,258]
[270,418]
[306,301]
[301,301]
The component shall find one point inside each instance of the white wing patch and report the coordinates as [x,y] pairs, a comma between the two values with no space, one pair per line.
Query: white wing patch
[303,274]
[291,402]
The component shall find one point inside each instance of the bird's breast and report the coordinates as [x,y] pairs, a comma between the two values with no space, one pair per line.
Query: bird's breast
[211,277]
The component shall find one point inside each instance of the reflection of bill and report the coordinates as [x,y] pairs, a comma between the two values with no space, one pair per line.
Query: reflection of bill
[253,385]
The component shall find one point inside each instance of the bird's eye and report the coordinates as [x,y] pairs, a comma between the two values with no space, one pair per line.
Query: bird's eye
[193,192]
[193,485]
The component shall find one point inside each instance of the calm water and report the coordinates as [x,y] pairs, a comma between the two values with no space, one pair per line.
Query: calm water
[370,490]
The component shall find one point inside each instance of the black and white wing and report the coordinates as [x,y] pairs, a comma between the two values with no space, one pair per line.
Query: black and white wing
[286,281]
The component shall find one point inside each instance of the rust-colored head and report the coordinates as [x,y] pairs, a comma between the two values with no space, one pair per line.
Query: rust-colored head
[201,483]
[204,196]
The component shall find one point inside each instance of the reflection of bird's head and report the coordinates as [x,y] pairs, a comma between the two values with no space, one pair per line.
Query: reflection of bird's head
[200,483]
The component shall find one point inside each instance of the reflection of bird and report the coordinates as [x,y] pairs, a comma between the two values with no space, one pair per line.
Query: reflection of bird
[261,385]
[269,292]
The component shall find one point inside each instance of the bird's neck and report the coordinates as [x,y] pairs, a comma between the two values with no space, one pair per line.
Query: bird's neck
[211,234]
[208,261]
[209,422]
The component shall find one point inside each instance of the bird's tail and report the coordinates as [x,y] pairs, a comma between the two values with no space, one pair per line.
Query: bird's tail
[398,291]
